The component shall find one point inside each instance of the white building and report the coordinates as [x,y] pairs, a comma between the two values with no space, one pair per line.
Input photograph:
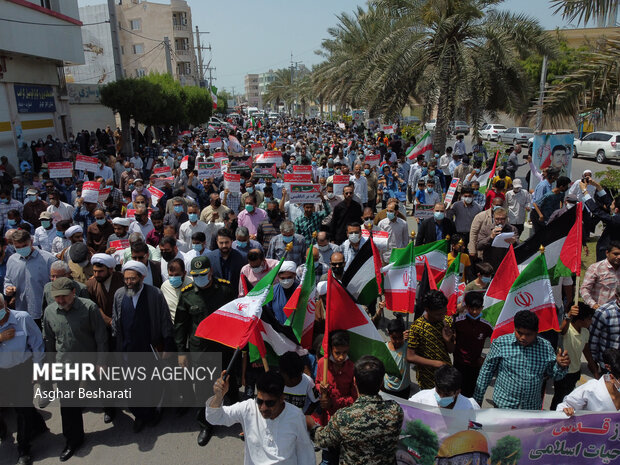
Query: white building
[35,43]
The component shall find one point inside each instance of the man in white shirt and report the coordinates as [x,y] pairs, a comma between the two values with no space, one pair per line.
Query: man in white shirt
[447,391]
[444,162]
[198,248]
[519,201]
[104,171]
[191,226]
[44,234]
[143,223]
[360,184]
[59,210]
[397,229]
[274,430]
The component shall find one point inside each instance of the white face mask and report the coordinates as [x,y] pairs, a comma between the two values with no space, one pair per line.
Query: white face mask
[286,283]
[468,199]
[324,248]
[354,238]
[257,269]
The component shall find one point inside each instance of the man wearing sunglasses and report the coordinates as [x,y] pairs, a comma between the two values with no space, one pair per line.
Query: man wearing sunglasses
[275,431]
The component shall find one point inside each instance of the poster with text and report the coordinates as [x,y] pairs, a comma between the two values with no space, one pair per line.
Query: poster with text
[451,191]
[60,169]
[84,163]
[305,193]
[257,148]
[373,159]
[162,171]
[90,192]
[296,178]
[215,143]
[265,171]
[270,156]
[209,170]
[423,211]
[232,182]
[340,181]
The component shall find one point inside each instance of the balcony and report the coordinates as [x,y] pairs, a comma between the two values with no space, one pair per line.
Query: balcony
[180,28]
[183,52]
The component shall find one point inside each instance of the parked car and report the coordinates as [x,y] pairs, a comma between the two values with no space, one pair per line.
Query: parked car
[458,127]
[410,120]
[430,126]
[491,131]
[601,145]
[516,135]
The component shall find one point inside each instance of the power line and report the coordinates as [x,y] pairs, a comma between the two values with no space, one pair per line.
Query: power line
[139,35]
[51,24]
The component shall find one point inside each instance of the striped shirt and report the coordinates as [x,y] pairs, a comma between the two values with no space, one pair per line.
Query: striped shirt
[605,330]
[600,283]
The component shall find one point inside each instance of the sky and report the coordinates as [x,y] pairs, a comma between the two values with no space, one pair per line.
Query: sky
[253,36]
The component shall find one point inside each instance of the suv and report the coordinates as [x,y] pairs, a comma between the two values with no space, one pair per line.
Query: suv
[491,131]
[458,127]
[602,145]
[516,135]
[430,126]
[218,123]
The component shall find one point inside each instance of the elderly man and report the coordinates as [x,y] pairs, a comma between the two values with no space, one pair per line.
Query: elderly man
[27,272]
[396,227]
[20,343]
[436,228]
[243,242]
[71,325]
[256,269]
[326,248]
[153,252]
[492,252]
[60,269]
[287,235]
[141,323]
[353,244]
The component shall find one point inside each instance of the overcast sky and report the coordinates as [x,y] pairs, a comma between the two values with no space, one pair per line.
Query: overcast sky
[250,36]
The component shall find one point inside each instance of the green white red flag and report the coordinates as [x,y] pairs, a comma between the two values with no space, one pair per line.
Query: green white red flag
[423,147]
[400,282]
[301,306]
[362,279]
[498,289]
[450,284]
[213,90]
[485,178]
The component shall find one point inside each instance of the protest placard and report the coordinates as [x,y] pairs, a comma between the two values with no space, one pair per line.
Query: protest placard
[232,182]
[90,192]
[451,191]
[103,194]
[60,169]
[161,182]
[219,155]
[423,211]
[239,165]
[84,163]
[185,162]
[162,171]
[270,156]
[280,142]
[302,169]
[387,129]
[215,143]
[209,170]
[265,172]
[373,159]
[257,148]
[340,181]
[296,178]
[304,193]
[120,244]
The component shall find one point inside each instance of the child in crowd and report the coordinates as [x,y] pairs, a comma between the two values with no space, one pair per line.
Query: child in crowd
[447,392]
[457,246]
[471,333]
[298,386]
[398,386]
[484,274]
[60,242]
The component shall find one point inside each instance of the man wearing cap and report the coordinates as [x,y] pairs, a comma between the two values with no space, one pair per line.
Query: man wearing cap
[79,262]
[141,323]
[121,232]
[198,300]
[70,325]
[518,201]
[60,269]
[44,234]
[33,207]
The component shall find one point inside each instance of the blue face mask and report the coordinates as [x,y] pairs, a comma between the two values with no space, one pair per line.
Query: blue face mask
[101,222]
[287,239]
[443,401]
[175,281]
[60,234]
[439,216]
[249,190]
[4,200]
[366,172]
[11,222]
[178,208]
[201,281]
[24,251]
[242,244]
[469,315]
[391,215]
[249,208]
[193,217]
[197,247]
[313,163]
[485,279]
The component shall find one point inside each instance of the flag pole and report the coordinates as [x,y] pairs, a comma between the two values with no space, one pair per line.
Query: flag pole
[232,361]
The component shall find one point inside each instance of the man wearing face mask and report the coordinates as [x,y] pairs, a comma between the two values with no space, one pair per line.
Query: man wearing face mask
[257,267]
[250,189]
[215,211]
[103,170]
[143,223]
[326,248]
[283,290]
[463,213]
[278,244]
[251,216]
[128,173]
[518,201]
[490,253]
[59,210]
[194,225]
[169,250]
[447,391]
[435,228]
[27,272]
[396,227]
[44,234]
[353,244]
[243,243]
[33,207]
[7,204]
[177,280]
[198,300]
[199,248]
[98,233]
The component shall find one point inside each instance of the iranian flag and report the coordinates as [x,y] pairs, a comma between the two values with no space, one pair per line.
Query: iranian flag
[214,96]
[342,313]
[450,284]
[498,289]
[436,253]
[485,178]
[423,147]
[301,306]
[235,324]
[530,291]
[362,279]
[400,281]
[570,255]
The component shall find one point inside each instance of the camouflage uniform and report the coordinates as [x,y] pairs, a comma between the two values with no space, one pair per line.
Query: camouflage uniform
[367,431]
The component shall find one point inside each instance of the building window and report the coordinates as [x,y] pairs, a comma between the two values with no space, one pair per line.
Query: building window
[184,68]
[138,49]
[46,4]
[122,50]
[135,24]
[141,72]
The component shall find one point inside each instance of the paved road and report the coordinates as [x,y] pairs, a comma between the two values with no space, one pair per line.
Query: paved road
[174,439]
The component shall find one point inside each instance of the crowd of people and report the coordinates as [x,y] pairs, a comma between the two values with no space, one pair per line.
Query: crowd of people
[139,269]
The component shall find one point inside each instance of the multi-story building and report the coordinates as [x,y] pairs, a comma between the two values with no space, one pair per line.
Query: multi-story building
[252,94]
[264,79]
[33,50]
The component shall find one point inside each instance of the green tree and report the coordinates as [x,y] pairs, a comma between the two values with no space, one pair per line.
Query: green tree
[198,104]
[172,110]
[507,451]
[222,101]
[281,89]
[422,440]
[459,56]
[131,98]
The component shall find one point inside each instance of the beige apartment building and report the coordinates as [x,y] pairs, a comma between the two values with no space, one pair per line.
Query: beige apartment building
[252,94]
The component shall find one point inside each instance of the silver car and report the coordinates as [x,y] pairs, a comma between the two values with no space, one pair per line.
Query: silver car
[602,145]
[491,131]
[516,135]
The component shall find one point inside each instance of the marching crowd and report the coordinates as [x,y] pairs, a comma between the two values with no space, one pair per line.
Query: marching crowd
[138,269]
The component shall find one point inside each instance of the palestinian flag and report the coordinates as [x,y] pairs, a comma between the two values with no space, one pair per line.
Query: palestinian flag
[570,255]
[450,284]
[214,96]
[342,313]
[426,284]
[301,306]
[400,281]
[235,323]
[530,291]
[423,147]
[485,178]
[360,278]
[498,289]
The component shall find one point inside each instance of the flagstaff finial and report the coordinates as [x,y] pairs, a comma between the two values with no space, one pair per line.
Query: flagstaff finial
[289,246]
[314,234]
[541,249]
[461,242]
[412,235]
[447,238]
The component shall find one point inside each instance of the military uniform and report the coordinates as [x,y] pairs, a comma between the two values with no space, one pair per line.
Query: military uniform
[366,432]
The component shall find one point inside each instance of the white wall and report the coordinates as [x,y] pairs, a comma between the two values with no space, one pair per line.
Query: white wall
[91,117]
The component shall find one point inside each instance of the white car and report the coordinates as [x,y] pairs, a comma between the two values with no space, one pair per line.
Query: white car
[601,145]
[430,126]
[492,131]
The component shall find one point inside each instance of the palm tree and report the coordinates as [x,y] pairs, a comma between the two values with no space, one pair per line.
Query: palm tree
[595,85]
[458,56]
[281,89]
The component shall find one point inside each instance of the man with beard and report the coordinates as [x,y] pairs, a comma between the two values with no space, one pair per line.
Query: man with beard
[198,300]
[141,323]
[227,262]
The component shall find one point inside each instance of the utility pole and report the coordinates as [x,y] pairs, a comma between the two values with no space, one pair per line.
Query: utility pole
[211,78]
[199,49]
[116,48]
[541,96]
[234,100]
[168,60]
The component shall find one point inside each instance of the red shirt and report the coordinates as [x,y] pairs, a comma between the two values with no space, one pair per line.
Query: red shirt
[491,195]
[470,337]
[341,387]
[153,237]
